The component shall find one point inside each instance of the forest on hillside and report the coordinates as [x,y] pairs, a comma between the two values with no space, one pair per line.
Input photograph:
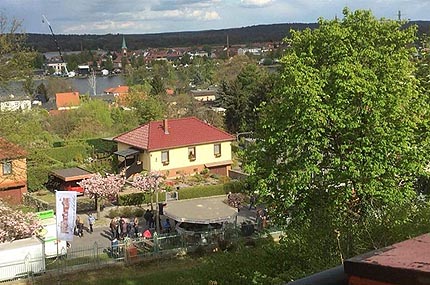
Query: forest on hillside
[244,35]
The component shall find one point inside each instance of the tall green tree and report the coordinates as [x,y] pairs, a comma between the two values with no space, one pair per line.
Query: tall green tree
[16,60]
[243,96]
[346,127]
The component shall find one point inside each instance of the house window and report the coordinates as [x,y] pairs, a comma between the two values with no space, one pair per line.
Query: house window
[217,150]
[192,153]
[165,157]
[7,167]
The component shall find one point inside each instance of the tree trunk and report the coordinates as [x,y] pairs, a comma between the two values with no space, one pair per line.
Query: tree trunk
[97,206]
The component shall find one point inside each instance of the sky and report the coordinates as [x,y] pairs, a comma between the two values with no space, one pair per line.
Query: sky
[159,16]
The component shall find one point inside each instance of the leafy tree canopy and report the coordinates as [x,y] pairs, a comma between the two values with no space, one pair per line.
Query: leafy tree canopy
[345,122]
[15,59]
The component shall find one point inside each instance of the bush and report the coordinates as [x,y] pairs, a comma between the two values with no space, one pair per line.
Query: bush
[128,212]
[139,198]
[75,152]
[209,190]
[184,193]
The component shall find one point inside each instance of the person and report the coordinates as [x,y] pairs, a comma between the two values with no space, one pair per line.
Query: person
[136,226]
[252,201]
[147,234]
[91,221]
[114,228]
[123,225]
[115,248]
[166,226]
[151,220]
[79,227]
[264,218]
[259,220]
[147,216]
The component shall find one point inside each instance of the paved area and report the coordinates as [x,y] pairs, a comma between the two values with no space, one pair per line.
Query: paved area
[102,234]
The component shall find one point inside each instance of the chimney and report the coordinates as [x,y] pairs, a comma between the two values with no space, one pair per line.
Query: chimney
[165,127]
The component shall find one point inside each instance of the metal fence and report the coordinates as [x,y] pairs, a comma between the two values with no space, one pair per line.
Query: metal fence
[128,251]
[24,269]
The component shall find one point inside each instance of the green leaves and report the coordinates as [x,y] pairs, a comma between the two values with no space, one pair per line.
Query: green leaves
[345,117]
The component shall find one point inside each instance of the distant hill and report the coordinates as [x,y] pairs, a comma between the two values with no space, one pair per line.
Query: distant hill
[244,35]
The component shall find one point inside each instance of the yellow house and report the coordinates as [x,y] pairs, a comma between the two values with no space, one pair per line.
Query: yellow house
[175,147]
[13,172]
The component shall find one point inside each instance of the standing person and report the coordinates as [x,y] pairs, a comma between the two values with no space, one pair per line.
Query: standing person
[151,220]
[79,226]
[259,220]
[136,226]
[123,226]
[147,216]
[91,221]
[167,226]
[113,228]
[252,201]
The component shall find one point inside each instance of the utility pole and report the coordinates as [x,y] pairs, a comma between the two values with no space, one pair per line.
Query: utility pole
[399,15]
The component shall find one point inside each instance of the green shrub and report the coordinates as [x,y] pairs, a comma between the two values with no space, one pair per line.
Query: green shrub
[209,190]
[139,198]
[68,153]
[184,193]
[37,176]
[128,212]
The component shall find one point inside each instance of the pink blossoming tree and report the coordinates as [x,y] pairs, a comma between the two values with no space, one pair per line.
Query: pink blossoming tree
[99,187]
[15,224]
[148,182]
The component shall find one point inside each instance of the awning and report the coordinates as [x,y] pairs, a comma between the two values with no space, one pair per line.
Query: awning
[200,211]
[127,152]
[219,163]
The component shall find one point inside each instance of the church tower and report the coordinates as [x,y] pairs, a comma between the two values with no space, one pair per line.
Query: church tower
[124,47]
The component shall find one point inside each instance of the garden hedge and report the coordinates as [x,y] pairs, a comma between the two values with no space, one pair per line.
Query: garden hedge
[184,193]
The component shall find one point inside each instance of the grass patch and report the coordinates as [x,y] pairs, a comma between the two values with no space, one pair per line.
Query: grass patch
[258,263]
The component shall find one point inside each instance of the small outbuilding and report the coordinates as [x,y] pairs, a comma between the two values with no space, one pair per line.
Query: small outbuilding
[67,179]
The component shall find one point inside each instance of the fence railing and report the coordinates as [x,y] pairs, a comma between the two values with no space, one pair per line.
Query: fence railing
[128,251]
[25,268]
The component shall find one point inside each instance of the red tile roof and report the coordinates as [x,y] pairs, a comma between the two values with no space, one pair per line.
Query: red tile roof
[117,90]
[181,132]
[67,99]
[9,150]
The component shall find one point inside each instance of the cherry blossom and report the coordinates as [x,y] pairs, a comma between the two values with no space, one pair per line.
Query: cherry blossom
[98,186]
[148,182]
[15,224]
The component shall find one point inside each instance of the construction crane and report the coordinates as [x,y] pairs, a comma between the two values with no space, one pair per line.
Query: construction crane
[67,73]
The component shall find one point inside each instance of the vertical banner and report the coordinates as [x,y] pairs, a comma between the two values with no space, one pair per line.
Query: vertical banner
[66,214]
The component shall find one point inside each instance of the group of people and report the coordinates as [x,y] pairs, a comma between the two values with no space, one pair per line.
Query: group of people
[123,227]
[79,225]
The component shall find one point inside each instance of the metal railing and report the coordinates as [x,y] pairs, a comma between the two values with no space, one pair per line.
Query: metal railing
[24,269]
[128,251]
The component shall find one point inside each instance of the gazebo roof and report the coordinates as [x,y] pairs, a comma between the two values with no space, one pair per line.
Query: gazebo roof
[201,211]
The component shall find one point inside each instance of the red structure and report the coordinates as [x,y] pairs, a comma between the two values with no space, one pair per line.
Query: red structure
[67,179]
[403,263]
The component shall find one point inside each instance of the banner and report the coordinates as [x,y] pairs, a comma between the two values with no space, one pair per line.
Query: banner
[66,204]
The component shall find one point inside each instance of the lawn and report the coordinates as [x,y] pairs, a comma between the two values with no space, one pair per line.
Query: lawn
[255,264]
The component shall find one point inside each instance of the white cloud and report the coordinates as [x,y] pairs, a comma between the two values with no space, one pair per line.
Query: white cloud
[255,3]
